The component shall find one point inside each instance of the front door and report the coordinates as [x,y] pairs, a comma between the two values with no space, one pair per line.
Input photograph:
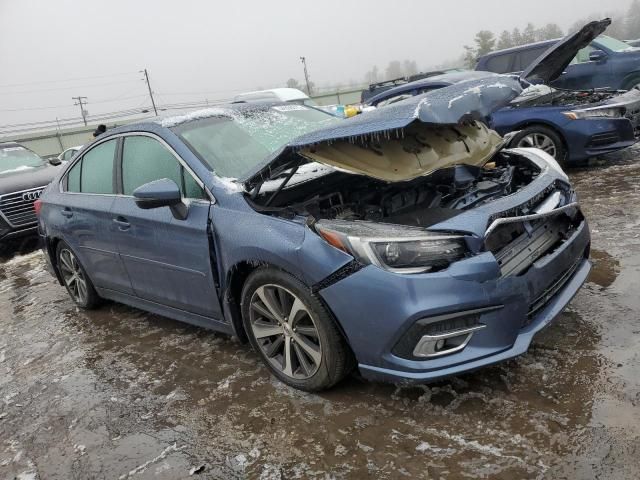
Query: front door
[166,258]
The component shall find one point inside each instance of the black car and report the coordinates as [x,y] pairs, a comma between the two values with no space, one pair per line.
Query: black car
[23,176]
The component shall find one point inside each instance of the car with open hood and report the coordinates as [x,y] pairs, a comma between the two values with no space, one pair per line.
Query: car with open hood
[23,176]
[600,62]
[406,242]
[570,125]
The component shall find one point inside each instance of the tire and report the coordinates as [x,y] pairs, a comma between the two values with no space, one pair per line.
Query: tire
[75,278]
[318,354]
[544,138]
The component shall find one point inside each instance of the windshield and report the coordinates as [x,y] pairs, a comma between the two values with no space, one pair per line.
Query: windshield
[233,146]
[16,158]
[613,44]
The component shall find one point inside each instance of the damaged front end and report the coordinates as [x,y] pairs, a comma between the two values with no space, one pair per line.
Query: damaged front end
[388,198]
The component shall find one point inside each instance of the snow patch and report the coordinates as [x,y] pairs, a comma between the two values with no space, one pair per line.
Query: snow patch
[170,122]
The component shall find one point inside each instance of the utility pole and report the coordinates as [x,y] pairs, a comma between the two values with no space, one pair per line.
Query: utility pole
[146,79]
[82,110]
[306,75]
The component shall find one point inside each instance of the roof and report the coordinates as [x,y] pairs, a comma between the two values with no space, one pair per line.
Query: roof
[521,47]
[273,94]
[438,81]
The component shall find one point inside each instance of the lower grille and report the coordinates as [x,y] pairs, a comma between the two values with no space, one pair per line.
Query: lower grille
[547,295]
[603,139]
[17,208]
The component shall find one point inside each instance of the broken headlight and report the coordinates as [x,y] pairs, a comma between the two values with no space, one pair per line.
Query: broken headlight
[392,247]
[613,112]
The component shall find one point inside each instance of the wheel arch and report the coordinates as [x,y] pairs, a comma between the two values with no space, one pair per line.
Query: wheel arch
[546,124]
[235,280]
[51,247]
[630,80]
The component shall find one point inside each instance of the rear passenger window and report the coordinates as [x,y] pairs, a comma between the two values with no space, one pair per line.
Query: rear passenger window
[500,63]
[526,58]
[95,170]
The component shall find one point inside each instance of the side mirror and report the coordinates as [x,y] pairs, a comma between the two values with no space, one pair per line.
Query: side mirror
[55,161]
[597,56]
[161,193]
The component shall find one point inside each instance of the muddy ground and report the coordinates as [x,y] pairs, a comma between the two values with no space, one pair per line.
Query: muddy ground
[118,393]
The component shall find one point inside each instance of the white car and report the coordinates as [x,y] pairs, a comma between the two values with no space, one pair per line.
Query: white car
[69,153]
[292,95]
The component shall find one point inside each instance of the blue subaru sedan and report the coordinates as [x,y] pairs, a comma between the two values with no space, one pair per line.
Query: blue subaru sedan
[405,242]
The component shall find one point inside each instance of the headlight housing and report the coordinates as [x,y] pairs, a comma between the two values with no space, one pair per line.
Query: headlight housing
[611,112]
[394,248]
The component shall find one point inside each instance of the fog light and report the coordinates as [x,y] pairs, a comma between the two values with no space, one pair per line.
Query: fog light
[440,345]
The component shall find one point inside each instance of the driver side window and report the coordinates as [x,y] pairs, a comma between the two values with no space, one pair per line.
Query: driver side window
[583,55]
[144,159]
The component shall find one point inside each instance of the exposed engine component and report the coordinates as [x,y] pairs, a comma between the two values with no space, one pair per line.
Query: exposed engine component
[420,202]
[544,95]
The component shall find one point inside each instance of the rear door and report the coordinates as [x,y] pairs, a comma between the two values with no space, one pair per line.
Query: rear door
[89,193]
[167,259]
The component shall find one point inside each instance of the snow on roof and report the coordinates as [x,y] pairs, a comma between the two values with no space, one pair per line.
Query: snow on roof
[282,94]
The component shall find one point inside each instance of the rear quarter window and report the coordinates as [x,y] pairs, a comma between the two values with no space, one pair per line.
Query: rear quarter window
[526,57]
[500,63]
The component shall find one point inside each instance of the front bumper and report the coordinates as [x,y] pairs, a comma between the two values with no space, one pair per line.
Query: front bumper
[376,309]
[588,138]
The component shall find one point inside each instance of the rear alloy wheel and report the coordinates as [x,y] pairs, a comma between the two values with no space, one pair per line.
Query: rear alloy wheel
[292,331]
[75,278]
[542,138]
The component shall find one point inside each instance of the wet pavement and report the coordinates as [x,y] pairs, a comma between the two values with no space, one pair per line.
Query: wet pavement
[118,393]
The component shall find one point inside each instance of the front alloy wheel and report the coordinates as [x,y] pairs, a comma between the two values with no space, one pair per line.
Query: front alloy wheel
[292,331]
[541,141]
[285,331]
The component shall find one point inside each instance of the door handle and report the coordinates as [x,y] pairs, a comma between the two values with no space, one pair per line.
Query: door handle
[66,212]
[122,223]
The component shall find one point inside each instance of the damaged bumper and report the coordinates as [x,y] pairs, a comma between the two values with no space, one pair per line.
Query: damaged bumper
[498,315]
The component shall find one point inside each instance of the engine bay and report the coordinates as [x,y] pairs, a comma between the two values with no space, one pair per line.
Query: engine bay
[538,95]
[420,202]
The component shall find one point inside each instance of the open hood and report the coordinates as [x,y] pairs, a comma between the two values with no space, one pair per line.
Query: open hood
[550,65]
[406,139]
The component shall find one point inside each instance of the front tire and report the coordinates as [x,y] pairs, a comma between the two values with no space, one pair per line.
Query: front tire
[543,138]
[292,331]
[75,278]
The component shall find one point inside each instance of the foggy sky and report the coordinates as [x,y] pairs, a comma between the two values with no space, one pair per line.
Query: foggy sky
[213,49]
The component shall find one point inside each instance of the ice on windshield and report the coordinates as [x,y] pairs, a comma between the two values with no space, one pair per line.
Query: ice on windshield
[232,146]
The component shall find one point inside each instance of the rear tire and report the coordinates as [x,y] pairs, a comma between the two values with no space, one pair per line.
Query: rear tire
[75,278]
[543,138]
[293,332]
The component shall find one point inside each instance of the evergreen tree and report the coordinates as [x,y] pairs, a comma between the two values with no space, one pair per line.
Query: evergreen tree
[516,37]
[632,22]
[529,34]
[550,31]
[485,42]
[505,40]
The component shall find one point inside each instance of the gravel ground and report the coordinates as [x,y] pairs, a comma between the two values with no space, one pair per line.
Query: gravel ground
[119,393]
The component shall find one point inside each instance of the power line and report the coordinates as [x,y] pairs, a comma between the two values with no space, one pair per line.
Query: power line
[66,80]
[21,92]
